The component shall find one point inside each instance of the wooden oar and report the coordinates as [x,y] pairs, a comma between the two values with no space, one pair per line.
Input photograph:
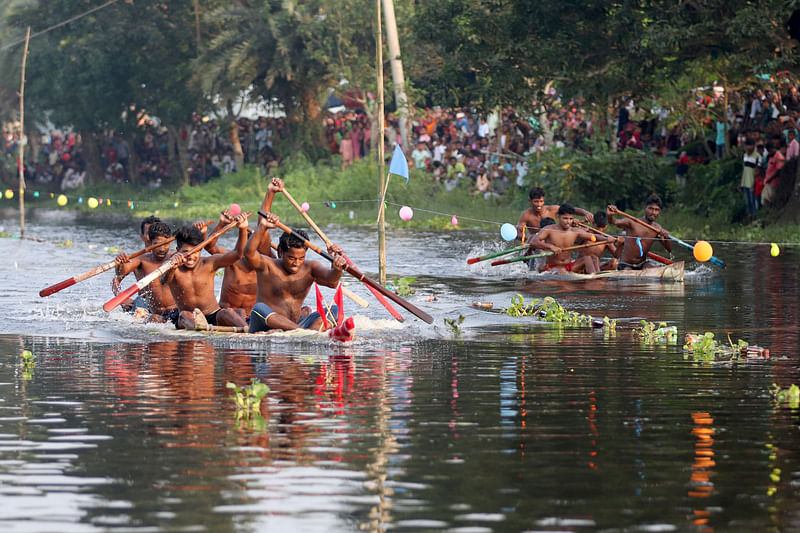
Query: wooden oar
[346,292]
[52,289]
[353,271]
[651,255]
[545,254]
[165,267]
[227,329]
[473,260]
[717,261]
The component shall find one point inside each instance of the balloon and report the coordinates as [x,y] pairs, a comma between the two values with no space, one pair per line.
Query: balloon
[9,194]
[774,250]
[406,212]
[508,232]
[235,209]
[454,221]
[702,251]
[304,207]
[62,200]
[92,202]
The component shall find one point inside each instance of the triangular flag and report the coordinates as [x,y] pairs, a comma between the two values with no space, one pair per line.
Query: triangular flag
[338,299]
[399,165]
[321,307]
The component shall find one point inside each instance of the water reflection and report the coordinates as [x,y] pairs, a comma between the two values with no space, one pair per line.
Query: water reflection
[515,425]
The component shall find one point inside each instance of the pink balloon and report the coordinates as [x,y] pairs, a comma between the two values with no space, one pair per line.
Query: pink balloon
[406,213]
[235,209]
[454,221]
[304,207]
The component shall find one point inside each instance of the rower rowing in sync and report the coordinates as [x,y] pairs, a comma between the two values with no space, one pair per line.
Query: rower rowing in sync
[557,237]
[640,237]
[284,283]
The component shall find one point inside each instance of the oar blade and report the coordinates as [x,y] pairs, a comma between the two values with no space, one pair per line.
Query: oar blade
[52,289]
[119,298]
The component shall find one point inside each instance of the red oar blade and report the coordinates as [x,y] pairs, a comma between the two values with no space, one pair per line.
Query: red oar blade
[392,311]
[52,289]
[121,297]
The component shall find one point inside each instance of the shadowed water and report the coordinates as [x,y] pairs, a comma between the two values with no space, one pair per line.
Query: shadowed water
[509,425]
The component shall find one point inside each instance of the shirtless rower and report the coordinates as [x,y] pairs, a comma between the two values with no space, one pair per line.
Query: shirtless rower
[530,219]
[240,283]
[555,237]
[131,305]
[596,252]
[284,282]
[192,280]
[157,298]
[638,238]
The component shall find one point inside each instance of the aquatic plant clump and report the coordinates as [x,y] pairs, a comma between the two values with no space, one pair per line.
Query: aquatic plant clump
[790,395]
[28,364]
[248,403]
[706,348]
[549,310]
[650,332]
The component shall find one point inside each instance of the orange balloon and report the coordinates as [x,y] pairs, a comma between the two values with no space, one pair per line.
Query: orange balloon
[702,251]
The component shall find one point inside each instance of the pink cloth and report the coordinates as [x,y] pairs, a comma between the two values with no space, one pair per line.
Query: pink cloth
[793,150]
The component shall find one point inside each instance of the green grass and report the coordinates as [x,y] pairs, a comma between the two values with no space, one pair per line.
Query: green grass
[356,190]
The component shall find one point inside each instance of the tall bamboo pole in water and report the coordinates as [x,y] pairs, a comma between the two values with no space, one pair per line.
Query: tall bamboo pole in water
[398,79]
[21,164]
[379,113]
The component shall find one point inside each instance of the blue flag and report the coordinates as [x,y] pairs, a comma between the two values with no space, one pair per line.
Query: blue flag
[399,165]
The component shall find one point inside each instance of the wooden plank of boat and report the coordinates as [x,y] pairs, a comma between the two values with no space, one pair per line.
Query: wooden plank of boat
[672,272]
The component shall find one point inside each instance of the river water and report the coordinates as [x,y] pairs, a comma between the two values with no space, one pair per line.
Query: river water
[509,424]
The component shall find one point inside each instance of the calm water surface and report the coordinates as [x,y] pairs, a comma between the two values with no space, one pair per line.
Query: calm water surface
[511,425]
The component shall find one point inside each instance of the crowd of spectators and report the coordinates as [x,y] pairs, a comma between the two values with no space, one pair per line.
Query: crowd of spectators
[57,160]
[458,147]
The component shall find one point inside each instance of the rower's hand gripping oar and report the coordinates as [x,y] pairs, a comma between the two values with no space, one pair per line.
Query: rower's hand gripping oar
[165,267]
[324,237]
[716,260]
[52,289]
[353,271]
[549,252]
[651,255]
[473,260]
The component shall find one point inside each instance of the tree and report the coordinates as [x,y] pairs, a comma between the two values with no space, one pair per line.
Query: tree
[104,71]
[290,52]
[499,50]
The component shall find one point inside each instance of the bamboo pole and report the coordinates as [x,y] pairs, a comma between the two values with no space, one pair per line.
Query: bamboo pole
[398,78]
[21,165]
[381,217]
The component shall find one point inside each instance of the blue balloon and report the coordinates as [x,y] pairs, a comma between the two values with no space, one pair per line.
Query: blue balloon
[508,232]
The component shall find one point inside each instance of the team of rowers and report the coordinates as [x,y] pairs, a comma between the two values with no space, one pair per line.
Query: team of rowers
[553,228]
[263,292]
[258,287]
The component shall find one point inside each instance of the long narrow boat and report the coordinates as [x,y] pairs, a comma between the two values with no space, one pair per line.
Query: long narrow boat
[671,272]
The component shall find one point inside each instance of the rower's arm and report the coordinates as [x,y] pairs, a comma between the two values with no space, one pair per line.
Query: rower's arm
[329,277]
[229,258]
[539,243]
[521,224]
[251,248]
[585,214]
[125,268]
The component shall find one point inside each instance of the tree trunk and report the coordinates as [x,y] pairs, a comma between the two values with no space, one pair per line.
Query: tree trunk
[90,146]
[177,151]
[611,131]
[133,161]
[236,142]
